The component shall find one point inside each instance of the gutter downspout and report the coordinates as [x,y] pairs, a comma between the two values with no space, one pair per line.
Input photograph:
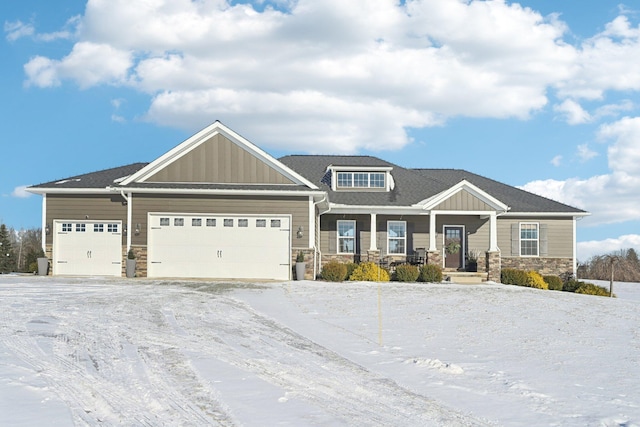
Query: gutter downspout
[129,217]
[317,253]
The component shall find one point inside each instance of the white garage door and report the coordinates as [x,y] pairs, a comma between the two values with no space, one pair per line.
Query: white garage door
[87,248]
[219,246]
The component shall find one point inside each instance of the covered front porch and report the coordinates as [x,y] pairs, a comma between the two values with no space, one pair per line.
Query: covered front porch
[453,240]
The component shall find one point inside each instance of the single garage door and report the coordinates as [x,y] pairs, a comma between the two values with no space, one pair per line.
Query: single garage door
[219,246]
[87,248]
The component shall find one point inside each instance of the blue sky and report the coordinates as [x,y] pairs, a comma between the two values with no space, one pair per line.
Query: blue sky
[538,94]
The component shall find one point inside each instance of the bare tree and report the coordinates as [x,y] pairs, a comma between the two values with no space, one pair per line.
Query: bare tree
[599,267]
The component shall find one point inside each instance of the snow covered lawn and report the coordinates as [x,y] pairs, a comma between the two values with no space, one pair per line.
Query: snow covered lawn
[133,352]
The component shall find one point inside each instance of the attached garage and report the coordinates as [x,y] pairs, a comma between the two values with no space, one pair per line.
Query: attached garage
[87,248]
[219,246]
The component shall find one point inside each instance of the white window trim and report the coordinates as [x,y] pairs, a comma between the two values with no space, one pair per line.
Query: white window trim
[388,180]
[537,239]
[338,237]
[389,238]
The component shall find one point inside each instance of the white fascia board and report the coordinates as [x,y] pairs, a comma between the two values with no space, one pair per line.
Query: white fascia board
[382,210]
[194,141]
[463,213]
[315,194]
[53,190]
[464,185]
[360,168]
[547,214]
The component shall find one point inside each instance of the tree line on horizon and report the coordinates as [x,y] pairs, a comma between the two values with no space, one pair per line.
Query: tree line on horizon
[20,249]
[624,263]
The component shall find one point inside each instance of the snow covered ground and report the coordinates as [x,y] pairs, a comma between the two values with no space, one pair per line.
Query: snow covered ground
[134,353]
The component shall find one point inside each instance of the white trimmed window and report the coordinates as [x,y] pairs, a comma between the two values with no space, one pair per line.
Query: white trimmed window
[397,237]
[361,180]
[529,239]
[346,237]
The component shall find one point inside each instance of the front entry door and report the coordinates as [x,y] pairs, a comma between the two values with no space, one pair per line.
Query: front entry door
[453,247]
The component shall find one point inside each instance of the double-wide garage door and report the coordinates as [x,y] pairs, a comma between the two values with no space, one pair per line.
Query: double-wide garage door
[87,248]
[219,246]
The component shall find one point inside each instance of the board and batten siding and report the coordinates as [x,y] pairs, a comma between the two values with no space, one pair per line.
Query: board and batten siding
[463,201]
[219,160]
[91,207]
[297,207]
[559,235]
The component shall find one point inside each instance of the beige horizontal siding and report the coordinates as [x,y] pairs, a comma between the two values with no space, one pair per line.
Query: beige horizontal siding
[559,235]
[87,206]
[477,230]
[297,207]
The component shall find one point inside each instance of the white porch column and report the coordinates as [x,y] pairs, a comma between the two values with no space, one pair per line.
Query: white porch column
[373,246]
[493,232]
[312,223]
[575,252]
[43,230]
[432,232]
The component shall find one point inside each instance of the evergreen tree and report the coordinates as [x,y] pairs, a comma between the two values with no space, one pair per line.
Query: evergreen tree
[632,257]
[6,252]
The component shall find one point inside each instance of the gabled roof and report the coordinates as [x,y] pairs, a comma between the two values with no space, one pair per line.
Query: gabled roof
[517,199]
[416,186]
[486,200]
[241,147]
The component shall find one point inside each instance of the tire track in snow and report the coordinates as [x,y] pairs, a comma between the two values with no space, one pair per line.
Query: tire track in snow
[94,365]
[308,371]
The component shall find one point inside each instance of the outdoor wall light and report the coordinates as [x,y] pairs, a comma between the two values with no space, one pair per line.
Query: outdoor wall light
[137,230]
[47,229]
[300,232]
[124,229]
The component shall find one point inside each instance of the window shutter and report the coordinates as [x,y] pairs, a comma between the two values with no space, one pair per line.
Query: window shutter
[333,238]
[515,239]
[544,246]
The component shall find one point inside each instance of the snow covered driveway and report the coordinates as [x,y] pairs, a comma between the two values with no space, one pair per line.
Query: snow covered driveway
[118,352]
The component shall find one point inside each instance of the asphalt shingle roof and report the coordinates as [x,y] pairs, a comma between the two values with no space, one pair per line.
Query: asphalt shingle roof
[411,185]
[94,180]
[414,185]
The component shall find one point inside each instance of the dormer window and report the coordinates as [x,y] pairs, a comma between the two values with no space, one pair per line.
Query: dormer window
[360,178]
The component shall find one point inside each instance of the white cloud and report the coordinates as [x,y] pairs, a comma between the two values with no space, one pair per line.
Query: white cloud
[409,64]
[608,61]
[613,197]
[556,161]
[573,112]
[405,66]
[17,29]
[21,192]
[599,247]
[585,153]
[88,64]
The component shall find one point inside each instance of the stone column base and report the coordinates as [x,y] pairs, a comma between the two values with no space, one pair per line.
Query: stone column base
[373,256]
[434,257]
[493,266]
